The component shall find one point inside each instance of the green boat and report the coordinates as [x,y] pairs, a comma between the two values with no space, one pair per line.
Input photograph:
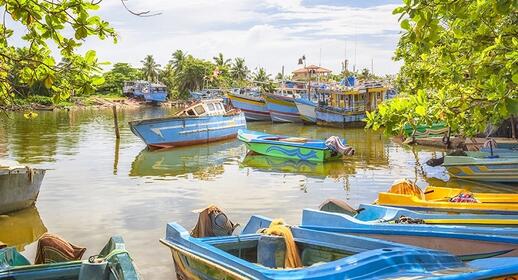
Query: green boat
[116,264]
[294,147]
[423,130]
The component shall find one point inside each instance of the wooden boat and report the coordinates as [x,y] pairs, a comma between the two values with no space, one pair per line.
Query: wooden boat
[205,121]
[282,108]
[466,242]
[490,169]
[438,199]
[252,104]
[119,265]
[287,147]
[306,108]
[25,227]
[385,214]
[323,255]
[19,187]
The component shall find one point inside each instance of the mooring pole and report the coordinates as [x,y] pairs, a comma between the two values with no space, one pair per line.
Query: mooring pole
[116,122]
[513,127]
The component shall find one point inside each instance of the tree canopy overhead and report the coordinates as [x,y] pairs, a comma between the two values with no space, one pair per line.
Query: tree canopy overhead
[45,22]
[460,65]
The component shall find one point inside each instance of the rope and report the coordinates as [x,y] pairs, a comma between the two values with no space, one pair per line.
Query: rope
[278,228]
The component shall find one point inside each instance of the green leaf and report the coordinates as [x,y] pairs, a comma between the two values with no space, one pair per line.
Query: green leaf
[398,10]
[405,24]
[48,81]
[90,56]
[515,78]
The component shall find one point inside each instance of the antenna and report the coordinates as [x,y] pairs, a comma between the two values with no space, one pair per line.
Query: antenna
[372,66]
[320,59]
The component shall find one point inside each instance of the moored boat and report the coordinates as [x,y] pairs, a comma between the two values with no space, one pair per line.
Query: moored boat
[114,262]
[406,194]
[309,254]
[205,121]
[251,103]
[19,187]
[385,214]
[466,242]
[294,147]
[483,168]
[306,108]
[282,108]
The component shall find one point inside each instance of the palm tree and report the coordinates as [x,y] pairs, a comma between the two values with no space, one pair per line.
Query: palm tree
[261,76]
[150,68]
[239,71]
[220,61]
[177,59]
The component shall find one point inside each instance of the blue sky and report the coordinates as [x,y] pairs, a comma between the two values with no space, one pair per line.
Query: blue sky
[269,33]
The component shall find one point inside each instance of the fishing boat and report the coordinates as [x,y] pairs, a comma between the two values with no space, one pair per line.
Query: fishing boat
[294,147]
[116,264]
[150,92]
[423,130]
[347,108]
[251,103]
[19,186]
[466,242]
[392,215]
[449,200]
[311,254]
[282,107]
[488,168]
[306,108]
[203,122]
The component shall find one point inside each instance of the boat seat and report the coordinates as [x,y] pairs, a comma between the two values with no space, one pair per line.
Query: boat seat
[271,251]
[294,139]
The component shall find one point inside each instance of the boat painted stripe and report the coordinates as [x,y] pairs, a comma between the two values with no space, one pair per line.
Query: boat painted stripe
[244,100]
[280,102]
[211,128]
[158,130]
[284,113]
[255,112]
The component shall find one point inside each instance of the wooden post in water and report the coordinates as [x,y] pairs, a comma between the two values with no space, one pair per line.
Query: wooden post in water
[116,122]
[513,127]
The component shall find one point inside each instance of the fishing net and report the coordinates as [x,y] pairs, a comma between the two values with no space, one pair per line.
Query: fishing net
[464,197]
[278,228]
[405,186]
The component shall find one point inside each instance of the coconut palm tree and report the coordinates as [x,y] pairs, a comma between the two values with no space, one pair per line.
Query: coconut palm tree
[178,57]
[150,68]
[220,61]
[239,71]
[261,76]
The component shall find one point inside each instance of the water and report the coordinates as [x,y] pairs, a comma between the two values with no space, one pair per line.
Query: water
[97,186]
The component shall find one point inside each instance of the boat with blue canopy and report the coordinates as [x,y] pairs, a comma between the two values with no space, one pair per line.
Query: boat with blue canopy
[295,147]
[269,249]
[203,122]
[385,214]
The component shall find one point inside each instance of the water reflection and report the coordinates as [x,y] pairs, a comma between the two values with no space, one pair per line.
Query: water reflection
[334,169]
[204,162]
[21,228]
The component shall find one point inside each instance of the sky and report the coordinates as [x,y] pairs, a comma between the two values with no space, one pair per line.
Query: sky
[266,33]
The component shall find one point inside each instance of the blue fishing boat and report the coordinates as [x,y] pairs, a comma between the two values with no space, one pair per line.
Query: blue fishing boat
[205,121]
[294,147]
[468,243]
[385,214]
[251,103]
[308,254]
[282,107]
[486,168]
[113,262]
[150,92]
[306,109]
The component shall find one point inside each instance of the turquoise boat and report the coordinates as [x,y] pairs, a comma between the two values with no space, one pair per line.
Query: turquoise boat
[290,147]
[466,242]
[385,214]
[323,255]
[489,169]
[117,264]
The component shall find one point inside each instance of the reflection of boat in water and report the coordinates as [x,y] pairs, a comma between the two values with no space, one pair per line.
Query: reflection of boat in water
[21,228]
[333,169]
[201,161]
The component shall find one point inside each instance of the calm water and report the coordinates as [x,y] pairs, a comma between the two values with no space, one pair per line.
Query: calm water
[97,187]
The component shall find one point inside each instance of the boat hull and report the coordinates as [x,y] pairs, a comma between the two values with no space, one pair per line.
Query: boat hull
[468,243]
[282,108]
[486,172]
[19,188]
[327,117]
[254,109]
[186,131]
[306,110]
[155,97]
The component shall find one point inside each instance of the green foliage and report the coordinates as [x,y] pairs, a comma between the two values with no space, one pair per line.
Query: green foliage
[26,68]
[194,72]
[263,80]
[115,78]
[150,68]
[239,72]
[460,65]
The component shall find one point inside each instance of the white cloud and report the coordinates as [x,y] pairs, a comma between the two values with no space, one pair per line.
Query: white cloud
[269,33]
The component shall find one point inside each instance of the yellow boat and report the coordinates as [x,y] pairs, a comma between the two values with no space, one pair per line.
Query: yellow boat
[406,194]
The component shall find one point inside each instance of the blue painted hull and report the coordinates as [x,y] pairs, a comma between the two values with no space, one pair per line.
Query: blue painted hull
[185,131]
[352,257]
[336,118]
[155,97]
[306,110]
[282,108]
[254,110]
[468,243]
